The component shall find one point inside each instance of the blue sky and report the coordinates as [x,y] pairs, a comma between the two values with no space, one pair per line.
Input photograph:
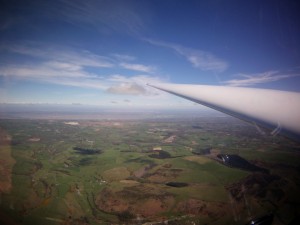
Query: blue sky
[104,52]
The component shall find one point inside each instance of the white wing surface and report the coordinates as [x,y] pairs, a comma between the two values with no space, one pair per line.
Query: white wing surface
[277,110]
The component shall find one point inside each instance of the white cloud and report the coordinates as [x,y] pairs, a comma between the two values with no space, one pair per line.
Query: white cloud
[259,78]
[203,60]
[137,67]
[135,85]
[127,89]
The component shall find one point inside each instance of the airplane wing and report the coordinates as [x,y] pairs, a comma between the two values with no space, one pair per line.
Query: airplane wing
[276,110]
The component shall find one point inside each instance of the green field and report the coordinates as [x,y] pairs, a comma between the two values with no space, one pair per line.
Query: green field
[118,176]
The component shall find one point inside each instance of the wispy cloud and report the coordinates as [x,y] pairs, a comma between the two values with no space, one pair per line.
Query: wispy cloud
[203,60]
[6,22]
[105,16]
[259,78]
[138,67]
[59,53]
[70,75]
[139,79]
[55,64]
[123,57]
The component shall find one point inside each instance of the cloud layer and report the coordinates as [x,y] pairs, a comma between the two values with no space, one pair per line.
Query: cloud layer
[65,66]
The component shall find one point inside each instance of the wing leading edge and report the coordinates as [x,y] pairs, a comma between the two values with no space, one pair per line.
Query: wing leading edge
[276,110]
